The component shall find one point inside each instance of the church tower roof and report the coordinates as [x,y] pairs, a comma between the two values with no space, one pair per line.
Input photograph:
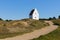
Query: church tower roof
[32,11]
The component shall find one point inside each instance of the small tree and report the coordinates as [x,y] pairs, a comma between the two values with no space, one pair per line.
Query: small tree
[54,17]
[1,19]
[8,20]
[50,18]
[59,17]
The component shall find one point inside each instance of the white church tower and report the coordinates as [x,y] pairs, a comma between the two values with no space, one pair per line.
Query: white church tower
[34,14]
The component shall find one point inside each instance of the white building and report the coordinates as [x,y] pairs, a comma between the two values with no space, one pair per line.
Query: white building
[34,14]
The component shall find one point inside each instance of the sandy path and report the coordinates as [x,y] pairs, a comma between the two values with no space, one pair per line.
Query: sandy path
[35,33]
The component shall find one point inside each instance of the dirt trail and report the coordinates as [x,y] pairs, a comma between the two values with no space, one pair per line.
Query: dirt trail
[35,33]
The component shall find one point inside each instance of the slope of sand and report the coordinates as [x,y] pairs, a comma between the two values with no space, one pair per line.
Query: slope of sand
[35,33]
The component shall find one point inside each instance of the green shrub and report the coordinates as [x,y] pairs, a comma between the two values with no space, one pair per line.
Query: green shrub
[1,19]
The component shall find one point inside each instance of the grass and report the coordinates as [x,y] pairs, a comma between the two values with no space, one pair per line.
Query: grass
[19,27]
[55,35]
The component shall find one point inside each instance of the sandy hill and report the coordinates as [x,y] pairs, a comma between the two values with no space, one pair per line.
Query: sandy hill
[18,27]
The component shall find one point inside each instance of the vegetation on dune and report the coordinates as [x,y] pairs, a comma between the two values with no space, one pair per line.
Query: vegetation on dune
[10,28]
[56,22]
[55,35]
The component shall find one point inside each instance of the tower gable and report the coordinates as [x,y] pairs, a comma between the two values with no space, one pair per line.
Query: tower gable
[34,14]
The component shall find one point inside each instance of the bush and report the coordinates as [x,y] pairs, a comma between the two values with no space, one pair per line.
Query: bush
[1,19]
[54,17]
[50,18]
[8,20]
[59,17]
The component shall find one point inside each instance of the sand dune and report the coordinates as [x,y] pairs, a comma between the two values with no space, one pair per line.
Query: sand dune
[35,33]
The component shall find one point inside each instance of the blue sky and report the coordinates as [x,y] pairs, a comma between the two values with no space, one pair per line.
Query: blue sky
[20,9]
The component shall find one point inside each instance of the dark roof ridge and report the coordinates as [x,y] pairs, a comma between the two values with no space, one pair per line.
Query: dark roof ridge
[32,11]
